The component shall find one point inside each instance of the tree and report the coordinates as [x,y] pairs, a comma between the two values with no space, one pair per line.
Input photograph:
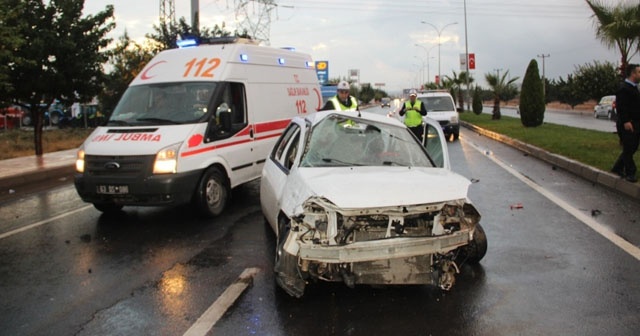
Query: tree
[166,34]
[617,26]
[477,100]
[568,92]
[501,89]
[366,94]
[532,97]
[10,40]
[127,59]
[457,86]
[593,81]
[59,57]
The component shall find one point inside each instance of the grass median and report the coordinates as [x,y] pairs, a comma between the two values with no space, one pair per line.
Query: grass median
[19,142]
[593,148]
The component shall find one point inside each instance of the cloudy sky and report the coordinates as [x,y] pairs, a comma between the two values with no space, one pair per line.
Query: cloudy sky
[378,37]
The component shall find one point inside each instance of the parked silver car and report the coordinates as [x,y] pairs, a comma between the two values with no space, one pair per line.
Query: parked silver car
[606,108]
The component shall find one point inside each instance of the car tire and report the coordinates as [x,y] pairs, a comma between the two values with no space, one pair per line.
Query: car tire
[108,207]
[26,120]
[55,118]
[212,193]
[475,250]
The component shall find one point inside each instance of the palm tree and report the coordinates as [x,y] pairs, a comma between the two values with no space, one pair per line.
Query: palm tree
[457,83]
[617,26]
[500,87]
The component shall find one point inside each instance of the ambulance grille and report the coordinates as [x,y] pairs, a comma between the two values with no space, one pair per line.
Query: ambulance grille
[120,166]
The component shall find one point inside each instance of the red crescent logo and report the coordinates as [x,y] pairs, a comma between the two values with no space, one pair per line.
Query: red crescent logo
[319,99]
[144,75]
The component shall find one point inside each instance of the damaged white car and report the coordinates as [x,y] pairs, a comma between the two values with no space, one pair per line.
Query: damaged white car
[355,197]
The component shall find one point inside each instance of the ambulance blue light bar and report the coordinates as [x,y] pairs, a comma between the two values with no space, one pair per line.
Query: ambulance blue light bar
[244,57]
[281,61]
[187,43]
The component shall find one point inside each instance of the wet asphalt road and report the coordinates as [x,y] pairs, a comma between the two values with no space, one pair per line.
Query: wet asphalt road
[154,271]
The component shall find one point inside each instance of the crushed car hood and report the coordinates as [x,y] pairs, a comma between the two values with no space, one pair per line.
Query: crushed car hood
[369,187]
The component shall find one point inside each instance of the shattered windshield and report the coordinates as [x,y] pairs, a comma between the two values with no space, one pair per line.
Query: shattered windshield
[163,104]
[339,141]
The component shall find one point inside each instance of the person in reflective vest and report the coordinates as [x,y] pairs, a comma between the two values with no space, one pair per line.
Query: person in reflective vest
[342,100]
[414,110]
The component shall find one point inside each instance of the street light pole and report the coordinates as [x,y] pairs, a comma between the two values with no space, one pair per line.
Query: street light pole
[421,70]
[439,31]
[428,51]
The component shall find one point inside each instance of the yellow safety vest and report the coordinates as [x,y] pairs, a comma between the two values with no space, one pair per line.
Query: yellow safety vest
[338,105]
[412,116]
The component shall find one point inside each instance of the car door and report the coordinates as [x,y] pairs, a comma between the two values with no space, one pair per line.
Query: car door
[276,170]
[435,143]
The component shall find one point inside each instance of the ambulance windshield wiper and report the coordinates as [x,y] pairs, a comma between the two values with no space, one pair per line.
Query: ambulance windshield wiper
[158,120]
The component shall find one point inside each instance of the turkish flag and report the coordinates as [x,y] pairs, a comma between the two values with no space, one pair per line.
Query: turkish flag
[472,61]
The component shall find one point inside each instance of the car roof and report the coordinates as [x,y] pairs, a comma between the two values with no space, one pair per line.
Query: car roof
[434,94]
[316,117]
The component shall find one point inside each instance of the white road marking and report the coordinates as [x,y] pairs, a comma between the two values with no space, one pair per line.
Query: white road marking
[209,318]
[42,222]
[590,222]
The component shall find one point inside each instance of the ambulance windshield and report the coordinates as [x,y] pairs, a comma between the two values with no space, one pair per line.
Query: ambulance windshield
[163,104]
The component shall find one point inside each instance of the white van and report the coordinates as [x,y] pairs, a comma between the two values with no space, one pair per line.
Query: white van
[441,107]
[195,123]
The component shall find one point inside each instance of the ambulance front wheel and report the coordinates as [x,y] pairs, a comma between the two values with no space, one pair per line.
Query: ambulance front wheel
[212,193]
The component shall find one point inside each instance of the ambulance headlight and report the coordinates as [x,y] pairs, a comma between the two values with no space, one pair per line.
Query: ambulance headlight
[167,160]
[80,161]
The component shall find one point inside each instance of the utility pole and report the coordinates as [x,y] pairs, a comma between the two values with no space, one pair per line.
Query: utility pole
[466,53]
[544,81]
[167,12]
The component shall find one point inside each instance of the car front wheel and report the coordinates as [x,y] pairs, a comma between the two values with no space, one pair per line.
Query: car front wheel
[475,250]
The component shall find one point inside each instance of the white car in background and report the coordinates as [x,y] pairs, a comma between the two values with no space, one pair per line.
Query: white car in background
[606,107]
[354,197]
[441,107]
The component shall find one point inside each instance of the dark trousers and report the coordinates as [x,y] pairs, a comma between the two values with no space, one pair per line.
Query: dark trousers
[418,130]
[629,141]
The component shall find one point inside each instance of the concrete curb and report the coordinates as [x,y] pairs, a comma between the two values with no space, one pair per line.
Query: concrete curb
[33,177]
[18,172]
[588,173]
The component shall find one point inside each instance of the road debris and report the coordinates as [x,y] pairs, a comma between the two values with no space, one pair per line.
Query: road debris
[516,206]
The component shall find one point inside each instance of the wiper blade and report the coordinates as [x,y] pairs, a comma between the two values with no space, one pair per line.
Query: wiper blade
[158,120]
[331,160]
[393,163]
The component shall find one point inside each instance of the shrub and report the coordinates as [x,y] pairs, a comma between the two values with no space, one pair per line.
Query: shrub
[532,97]
[477,100]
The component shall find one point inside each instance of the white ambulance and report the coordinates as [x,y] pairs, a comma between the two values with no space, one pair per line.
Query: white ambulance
[195,123]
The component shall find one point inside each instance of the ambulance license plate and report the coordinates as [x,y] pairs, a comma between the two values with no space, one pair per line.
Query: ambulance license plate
[113,189]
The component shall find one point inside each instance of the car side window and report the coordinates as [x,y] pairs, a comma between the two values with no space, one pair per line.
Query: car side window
[286,147]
